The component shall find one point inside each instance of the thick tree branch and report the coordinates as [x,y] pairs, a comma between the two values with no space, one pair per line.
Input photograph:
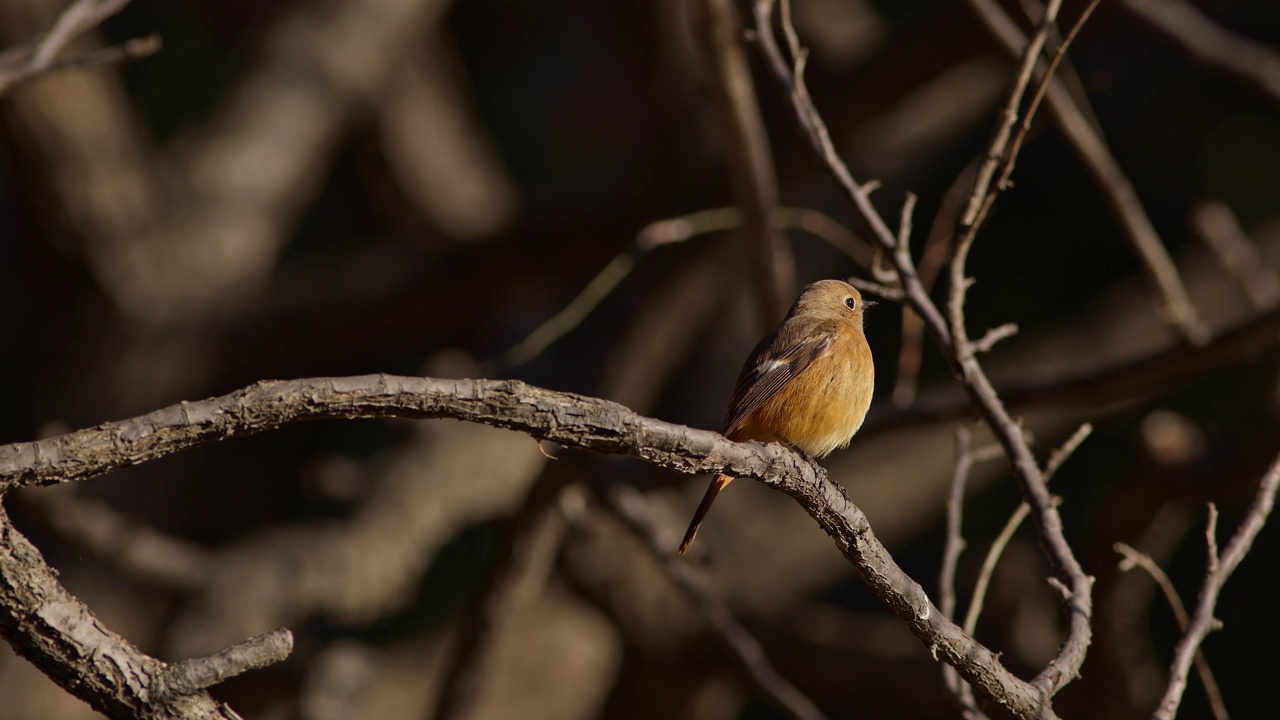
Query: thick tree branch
[60,635]
[573,420]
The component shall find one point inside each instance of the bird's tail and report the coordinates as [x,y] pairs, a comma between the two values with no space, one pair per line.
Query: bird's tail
[720,483]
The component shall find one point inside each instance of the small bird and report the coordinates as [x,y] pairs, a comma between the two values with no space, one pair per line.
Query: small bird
[807,385]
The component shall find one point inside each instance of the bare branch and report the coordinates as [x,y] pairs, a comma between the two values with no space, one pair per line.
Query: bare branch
[42,56]
[978,204]
[566,418]
[57,633]
[192,676]
[1111,179]
[129,51]
[993,336]
[964,364]
[1078,602]
[1132,559]
[955,545]
[792,78]
[992,558]
[1024,127]
[1202,621]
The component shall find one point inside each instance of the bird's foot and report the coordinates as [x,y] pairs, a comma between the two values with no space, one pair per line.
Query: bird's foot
[818,470]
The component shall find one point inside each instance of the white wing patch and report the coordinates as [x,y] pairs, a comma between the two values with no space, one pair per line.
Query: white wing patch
[769,366]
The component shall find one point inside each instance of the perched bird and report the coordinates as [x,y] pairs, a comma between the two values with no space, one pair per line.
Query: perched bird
[807,385]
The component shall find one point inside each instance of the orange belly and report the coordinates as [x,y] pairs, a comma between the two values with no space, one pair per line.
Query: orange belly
[818,411]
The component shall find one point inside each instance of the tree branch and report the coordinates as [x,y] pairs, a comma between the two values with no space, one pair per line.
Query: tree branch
[41,56]
[955,544]
[1110,177]
[57,633]
[958,351]
[1220,569]
[196,674]
[573,420]
[1134,558]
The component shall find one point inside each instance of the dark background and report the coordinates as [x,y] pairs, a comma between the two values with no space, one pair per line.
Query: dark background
[489,160]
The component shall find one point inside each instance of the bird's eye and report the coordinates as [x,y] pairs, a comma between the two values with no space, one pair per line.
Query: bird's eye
[848,302]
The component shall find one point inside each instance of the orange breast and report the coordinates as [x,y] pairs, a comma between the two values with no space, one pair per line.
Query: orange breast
[821,409]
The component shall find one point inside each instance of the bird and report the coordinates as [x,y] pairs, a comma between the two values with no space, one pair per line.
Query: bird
[807,384]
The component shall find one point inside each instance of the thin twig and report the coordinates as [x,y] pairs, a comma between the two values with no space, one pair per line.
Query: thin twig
[629,505]
[1119,192]
[569,317]
[937,248]
[993,336]
[1010,159]
[1211,538]
[1103,383]
[1202,620]
[963,363]
[654,235]
[955,545]
[891,294]
[992,558]
[42,56]
[998,148]
[129,51]
[1132,559]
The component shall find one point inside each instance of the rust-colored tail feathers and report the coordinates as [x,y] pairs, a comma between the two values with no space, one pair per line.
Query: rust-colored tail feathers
[720,483]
